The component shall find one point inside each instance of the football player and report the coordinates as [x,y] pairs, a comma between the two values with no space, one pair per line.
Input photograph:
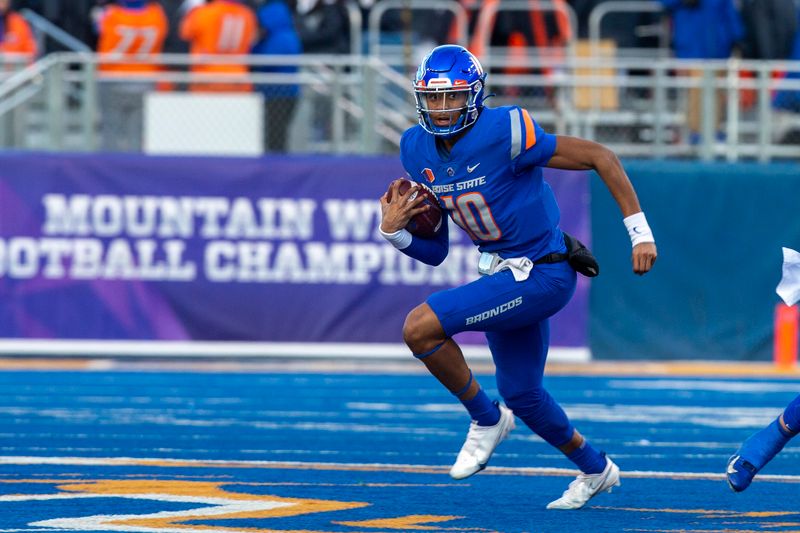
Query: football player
[763,445]
[486,166]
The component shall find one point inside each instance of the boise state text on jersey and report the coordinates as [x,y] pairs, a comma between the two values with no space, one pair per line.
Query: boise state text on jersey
[491,183]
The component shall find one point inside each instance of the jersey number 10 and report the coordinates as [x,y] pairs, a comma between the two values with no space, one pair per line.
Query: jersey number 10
[471,212]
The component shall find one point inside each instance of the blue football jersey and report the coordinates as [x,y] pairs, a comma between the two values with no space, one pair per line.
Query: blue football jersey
[491,182]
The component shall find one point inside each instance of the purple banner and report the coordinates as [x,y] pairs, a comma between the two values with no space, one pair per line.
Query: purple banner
[272,249]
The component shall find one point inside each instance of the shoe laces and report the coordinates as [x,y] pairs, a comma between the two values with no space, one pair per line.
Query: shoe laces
[581,487]
[474,436]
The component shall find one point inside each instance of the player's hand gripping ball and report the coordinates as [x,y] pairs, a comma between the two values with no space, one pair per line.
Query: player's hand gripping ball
[424,224]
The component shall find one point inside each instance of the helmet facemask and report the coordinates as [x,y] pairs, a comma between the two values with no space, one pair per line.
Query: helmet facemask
[440,98]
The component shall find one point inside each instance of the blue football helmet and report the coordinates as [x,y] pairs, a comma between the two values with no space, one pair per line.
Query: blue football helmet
[447,74]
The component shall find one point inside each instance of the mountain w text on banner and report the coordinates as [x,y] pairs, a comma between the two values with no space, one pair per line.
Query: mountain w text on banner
[270,249]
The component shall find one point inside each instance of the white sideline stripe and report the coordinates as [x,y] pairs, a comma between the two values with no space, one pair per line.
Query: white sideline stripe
[706,385]
[245,349]
[423,469]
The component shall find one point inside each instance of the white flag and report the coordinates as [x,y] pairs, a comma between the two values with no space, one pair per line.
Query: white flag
[789,287]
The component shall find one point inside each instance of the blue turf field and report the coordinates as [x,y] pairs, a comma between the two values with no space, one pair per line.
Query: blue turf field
[185,451]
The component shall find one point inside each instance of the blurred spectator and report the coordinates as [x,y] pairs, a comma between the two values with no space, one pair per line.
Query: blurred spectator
[543,30]
[71,16]
[16,36]
[221,27]
[175,10]
[421,28]
[129,32]
[545,25]
[279,38]
[787,102]
[471,8]
[582,9]
[323,26]
[550,27]
[770,28]
[703,29]
[621,27]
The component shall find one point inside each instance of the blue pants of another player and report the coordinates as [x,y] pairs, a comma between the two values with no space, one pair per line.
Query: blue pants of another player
[762,446]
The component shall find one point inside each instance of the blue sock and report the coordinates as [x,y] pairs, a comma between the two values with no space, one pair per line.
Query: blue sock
[589,460]
[762,446]
[482,409]
[791,416]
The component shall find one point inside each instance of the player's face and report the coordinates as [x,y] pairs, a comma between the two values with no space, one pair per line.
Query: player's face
[444,108]
[4,5]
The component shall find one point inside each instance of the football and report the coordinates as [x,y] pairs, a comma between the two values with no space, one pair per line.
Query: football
[425,224]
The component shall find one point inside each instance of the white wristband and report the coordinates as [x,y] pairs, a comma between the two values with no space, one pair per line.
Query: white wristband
[638,230]
[400,239]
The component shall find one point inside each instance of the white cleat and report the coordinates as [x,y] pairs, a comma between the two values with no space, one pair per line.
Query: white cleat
[481,442]
[586,486]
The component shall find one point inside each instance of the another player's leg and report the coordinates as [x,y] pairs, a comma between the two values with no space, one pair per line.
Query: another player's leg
[442,356]
[519,357]
[762,446]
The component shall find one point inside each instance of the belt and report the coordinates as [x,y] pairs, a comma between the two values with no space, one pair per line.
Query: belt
[490,263]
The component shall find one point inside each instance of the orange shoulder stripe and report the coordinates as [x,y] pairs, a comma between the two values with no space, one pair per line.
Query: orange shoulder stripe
[530,133]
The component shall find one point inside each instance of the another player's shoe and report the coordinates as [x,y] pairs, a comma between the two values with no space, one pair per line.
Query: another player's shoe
[586,486]
[754,454]
[740,473]
[480,444]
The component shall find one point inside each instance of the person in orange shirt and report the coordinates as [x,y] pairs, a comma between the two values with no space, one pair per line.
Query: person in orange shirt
[130,34]
[16,36]
[131,29]
[221,27]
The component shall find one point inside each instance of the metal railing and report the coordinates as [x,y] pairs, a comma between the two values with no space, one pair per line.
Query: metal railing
[651,116]
[358,104]
[356,33]
[602,10]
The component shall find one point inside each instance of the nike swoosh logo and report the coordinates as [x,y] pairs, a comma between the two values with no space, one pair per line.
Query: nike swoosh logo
[637,230]
[473,167]
[731,469]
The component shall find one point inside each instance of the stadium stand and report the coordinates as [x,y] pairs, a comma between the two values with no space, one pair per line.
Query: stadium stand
[597,69]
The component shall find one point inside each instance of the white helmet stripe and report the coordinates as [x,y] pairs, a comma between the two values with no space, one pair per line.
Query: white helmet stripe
[475,62]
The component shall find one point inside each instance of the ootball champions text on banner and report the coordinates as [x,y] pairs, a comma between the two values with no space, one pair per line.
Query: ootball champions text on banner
[273,249]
